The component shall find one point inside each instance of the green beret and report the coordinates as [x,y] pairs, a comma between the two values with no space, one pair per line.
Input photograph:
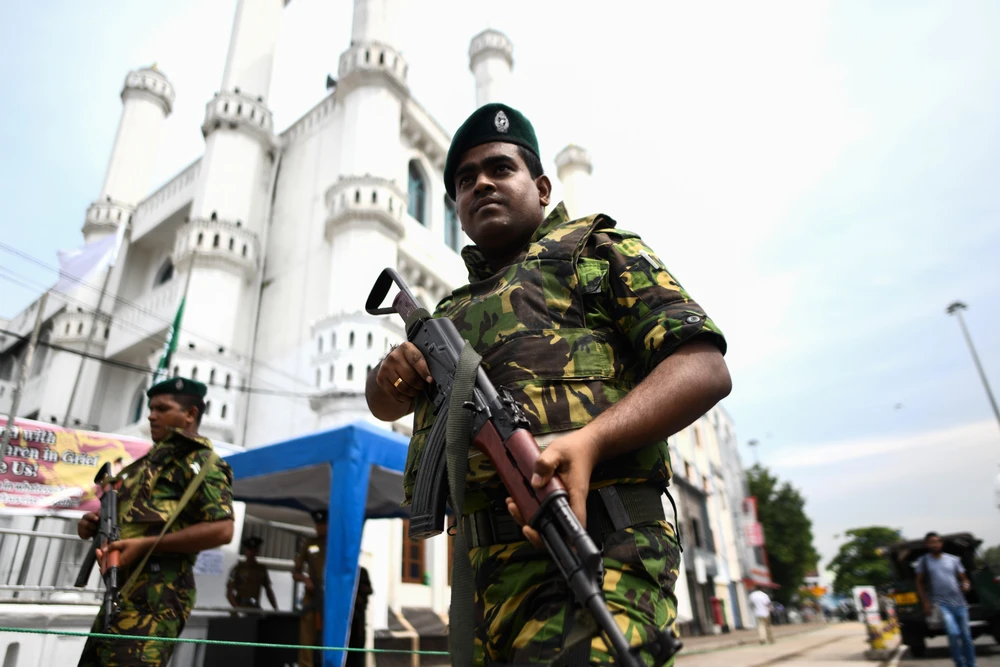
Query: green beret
[178,387]
[490,122]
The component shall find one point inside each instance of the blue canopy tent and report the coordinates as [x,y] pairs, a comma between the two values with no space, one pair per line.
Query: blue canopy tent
[354,471]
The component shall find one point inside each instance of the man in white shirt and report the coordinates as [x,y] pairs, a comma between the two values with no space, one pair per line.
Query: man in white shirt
[761,604]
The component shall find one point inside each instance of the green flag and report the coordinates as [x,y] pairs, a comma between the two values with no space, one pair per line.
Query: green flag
[163,369]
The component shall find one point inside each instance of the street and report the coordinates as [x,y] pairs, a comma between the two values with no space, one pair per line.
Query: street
[938,655]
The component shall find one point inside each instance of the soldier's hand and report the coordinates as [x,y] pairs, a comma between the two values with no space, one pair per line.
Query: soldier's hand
[131,550]
[403,374]
[571,457]
[310,586]
[87,525]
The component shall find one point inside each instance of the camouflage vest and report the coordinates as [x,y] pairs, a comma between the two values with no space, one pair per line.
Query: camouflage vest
[538,326]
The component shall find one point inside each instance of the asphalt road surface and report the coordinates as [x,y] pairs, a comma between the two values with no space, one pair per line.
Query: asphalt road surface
[939,655]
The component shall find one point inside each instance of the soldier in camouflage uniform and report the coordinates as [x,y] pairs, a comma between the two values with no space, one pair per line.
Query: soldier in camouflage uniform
[248,577]
[607,355]
[149,490]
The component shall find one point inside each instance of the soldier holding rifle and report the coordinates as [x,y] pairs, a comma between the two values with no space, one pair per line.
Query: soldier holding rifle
[160,591]
[606,354]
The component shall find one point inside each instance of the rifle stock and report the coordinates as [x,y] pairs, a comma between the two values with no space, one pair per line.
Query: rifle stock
[500,431]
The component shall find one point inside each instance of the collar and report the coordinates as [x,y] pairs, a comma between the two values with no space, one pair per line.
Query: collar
[178,437]
[479,268]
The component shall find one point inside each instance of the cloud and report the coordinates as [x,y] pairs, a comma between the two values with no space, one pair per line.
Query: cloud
[951,439]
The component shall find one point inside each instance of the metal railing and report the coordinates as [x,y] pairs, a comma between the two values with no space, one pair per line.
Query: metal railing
[41,565]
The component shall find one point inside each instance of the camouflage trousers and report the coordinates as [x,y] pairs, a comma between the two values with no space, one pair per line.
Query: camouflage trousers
[158,606]
[524,609]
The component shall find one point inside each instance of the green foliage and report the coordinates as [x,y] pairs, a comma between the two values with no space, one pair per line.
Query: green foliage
[787,531]
[991,557]
[859,561]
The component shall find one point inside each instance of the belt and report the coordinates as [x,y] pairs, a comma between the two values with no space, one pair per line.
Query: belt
[609,509]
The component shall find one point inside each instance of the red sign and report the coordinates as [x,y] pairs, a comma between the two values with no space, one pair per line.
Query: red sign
[755,534]
[50,468]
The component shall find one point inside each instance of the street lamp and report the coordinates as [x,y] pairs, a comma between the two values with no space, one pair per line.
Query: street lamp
[956,309]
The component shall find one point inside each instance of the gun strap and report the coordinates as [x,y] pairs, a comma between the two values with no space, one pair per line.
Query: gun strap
[188,494]
[458,439]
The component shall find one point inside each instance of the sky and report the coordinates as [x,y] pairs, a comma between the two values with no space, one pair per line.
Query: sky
[821,177]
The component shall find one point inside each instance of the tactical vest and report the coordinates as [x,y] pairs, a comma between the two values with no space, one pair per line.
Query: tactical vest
[544,335]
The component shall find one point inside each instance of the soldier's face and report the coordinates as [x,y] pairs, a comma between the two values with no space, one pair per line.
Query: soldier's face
[166,413]
[499,204]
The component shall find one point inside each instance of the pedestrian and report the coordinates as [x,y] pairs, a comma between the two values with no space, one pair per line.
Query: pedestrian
[606,354]
[358,617]
[762,608]
[309,567]
[149,491]
[945,576]
[248,577]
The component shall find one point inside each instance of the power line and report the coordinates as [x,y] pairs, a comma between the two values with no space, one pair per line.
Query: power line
[84,307]
[126,302]
[151,371]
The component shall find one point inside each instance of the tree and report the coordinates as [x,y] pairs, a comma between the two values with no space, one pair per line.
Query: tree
[991,557]
[787,531]
[859,561]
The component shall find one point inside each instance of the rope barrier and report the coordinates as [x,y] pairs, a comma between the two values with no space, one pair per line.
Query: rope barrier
[214,642]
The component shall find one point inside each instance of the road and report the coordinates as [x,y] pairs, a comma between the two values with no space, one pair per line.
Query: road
[938,655]
[835,645]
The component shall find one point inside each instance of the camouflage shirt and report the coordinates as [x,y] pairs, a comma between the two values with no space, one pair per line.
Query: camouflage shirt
[152,486]
[569,328]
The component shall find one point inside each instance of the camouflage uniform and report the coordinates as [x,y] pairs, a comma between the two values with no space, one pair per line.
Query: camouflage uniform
[164,593]
[569,328]
[248,578]
[313,557]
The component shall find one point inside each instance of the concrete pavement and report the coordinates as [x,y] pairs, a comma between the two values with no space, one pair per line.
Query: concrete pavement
[938,655]
[834,645]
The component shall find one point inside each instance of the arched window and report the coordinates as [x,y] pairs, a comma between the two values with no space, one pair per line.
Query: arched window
[215,241]
[333,341]
[79,328]
[229,379]
[369,340]
[320,343]
[331,372]
[350,340]
[211,376]
[451,226]
[208,407]
[138,403]
[223,413]
[418,193]
[165,274]
[194,372]
[177,371]
[350,372]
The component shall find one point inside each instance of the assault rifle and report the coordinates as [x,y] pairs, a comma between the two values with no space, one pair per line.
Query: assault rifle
[500,431]
[107,532]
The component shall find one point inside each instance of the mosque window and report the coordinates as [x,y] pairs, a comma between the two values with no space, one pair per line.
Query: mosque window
[318,377]
[331,372]
[229,380]
[177,371]
[232,243]
[211,376]
[374,196]
[369,341]
[201,237]
[418,193]
[451,226]
[79,329]
[165,274]
[223,413]
[333,341]
[138,403]
[67,328]
[244,249]
[320,343]
[357,196]
[381,59]
[350,340]
[194,372]
[215,241]
[350,372]
[208,407]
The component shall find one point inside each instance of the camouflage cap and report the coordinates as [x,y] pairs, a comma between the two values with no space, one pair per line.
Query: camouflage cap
[490,122]
[178,387]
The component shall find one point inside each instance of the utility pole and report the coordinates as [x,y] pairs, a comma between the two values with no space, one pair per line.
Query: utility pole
[29,354]
[753,448]
[956,309]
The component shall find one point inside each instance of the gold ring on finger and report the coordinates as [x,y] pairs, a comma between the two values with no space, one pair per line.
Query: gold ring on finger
[397,382]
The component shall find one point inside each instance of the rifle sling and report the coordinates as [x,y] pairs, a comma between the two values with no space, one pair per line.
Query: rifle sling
[458,440]
[188,494]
